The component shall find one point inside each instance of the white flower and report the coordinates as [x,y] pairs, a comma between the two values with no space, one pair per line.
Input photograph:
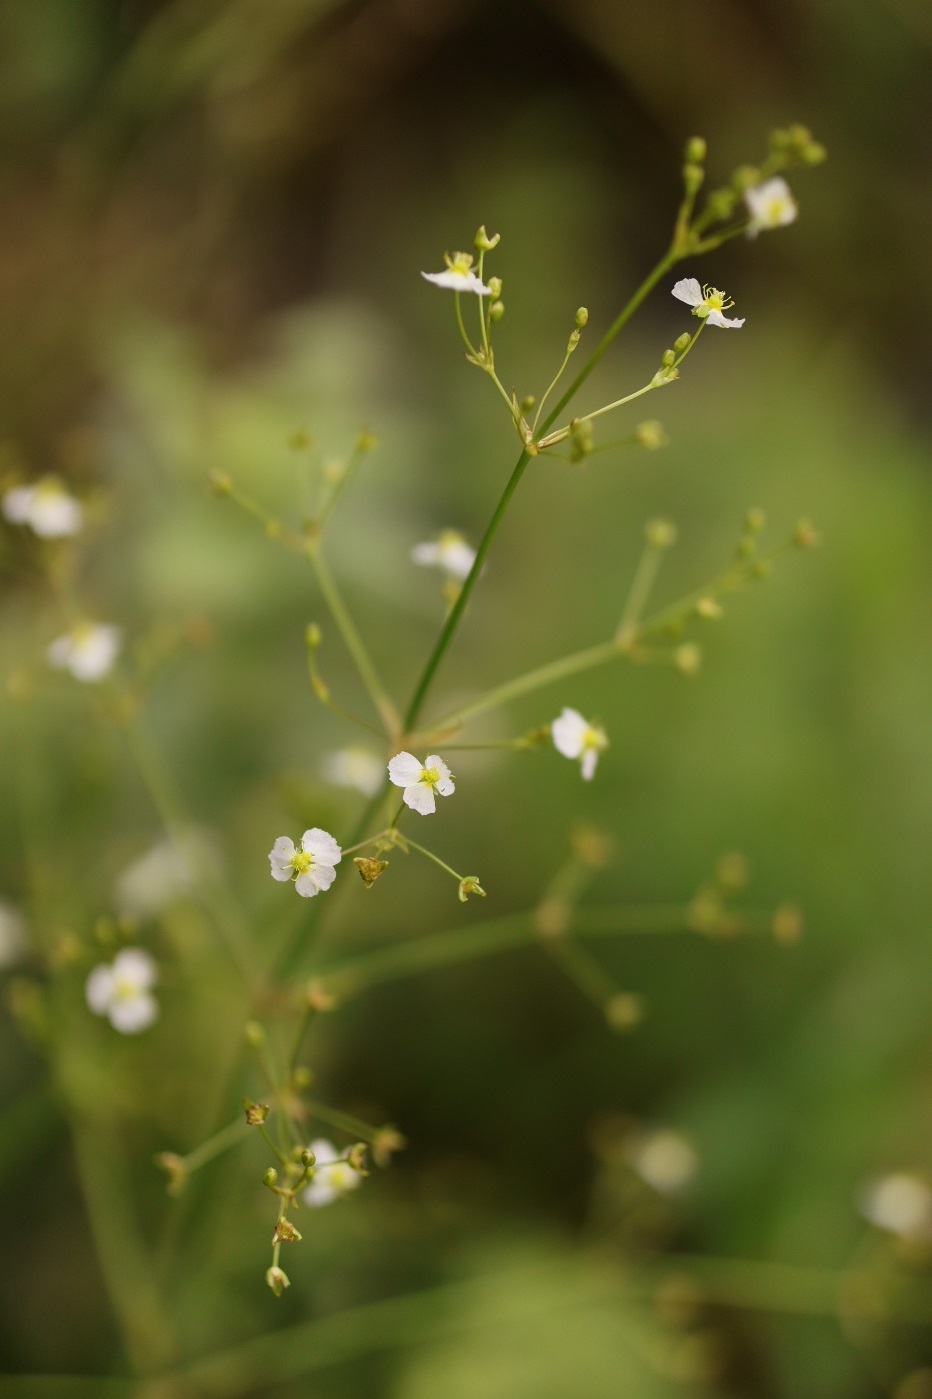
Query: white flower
[12,936]
[332,1177]
[899,1203]
[771,205]
[88,651]
[664,1159]
[46,508]
[419,782]
[120,990]
[353,767]
[458,275]
[165,873]
[707,302]
[575,737]
[311,867]
[448,552]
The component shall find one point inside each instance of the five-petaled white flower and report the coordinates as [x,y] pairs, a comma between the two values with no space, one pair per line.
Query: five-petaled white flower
[46,508]
[575,737]
[707,302]
[458,275]
[88,651]
[333,1176]
[121,990]
[448,552]
[353,767]
[311,867]
[771,205]
[419,782]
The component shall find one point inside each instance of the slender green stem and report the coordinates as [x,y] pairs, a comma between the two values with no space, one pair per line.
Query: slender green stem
[354,643]
[582,969]
[552,385]
[422,850]
[344,1121]
[564,432]
[459,320]
[276,1152]
[349,470]
[322,692]
[645,576]
[217,1144]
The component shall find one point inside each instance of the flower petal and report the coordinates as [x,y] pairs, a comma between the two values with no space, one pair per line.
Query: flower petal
[322,846]
[716,318]
[446,786]
[688,290]
[280,857]
[324,1151]
[427,555]
[569,733]
[98,989]
[420,797]
[589,759]
[131,1014]
[321,876]
[134,967]
[458,281]
[404,769]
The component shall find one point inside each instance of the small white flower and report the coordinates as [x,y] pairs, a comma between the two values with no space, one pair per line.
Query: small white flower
[707,302]
[88,651]
[448,552]
[332,1177]
[120,990]
[311,867]
[771,205]
[12,936]
[46,508]
[666,1160]
[165,873]
[419,782]
[353,767]
[899,1203]
[458,275]
[575,737]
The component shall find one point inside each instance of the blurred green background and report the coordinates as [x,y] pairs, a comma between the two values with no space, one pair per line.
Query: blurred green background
[214,217]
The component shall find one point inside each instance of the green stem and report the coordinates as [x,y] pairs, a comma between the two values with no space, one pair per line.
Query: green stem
[217,1144]
[354,643]
[422,850]
[344,1121]
[459,320]
[564,432]
[645,576]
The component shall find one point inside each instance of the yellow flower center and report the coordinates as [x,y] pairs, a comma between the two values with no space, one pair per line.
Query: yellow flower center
[460,263]
[301,861]
[124,990]
[593,738]
[430,776]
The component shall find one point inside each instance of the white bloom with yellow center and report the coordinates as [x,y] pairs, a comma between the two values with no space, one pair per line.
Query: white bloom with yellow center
[353,767]
[770,205]
[708,303]
[333,1177]
[666,1160]
[421,782]
[121,990]
[458,275]
[46,508]
[899,1203]
[449,552]
[311,867]
[88,651]
[575,737]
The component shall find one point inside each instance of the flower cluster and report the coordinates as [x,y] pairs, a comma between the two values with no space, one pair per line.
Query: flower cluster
[122,991]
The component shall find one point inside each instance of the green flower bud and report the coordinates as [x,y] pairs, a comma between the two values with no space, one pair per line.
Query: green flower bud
[270,1179]
[527,403]
[651,435]
[255,1035]
[806,536]
[693,176]
[624,1011]
[496,310]
[220,483]
[813,154]
[668,358]
[754,521]
[277,1280]
[495,287]
[582,317]
[694,152]
[687,659]
[313,636]
[721,203]
[745,177]
[470,885]
[681,342]
[483,243]
[660,534]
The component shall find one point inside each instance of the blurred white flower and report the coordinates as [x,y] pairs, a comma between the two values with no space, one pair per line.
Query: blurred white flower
[666,1160]
[46,508]
[88,651]
[353,767]
[165,873]
[899,1203]
[12,936]
[448,552]
[771,205]
[707,302]
[332,1177]
[575,737]
[458,275]
[120,990]
[311,867]
[419,782]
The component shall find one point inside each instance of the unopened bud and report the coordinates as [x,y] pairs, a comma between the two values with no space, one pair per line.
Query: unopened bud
[693,175]
[660,534]
[651,435]
[592,847]
[496,310]
[806,536]
[762,569]
[687,659]
[572,342]
[668,358]
[582,317]
[552,917]
[694,152]
[495,287]
[709,609]
[483,243]
[270,1179]
[356,1157]
[285,1232]
[813,154]
[527,403]
[307,1157]
[470,885]
[301,1078]
[681,342]
[787,924]
[313,636]
[754,521]
[277,1280]
[582,439]
[370,869]
[721,203]
[256,1113]
[624,1011]
[255,1035]
[745,177]
[220,483]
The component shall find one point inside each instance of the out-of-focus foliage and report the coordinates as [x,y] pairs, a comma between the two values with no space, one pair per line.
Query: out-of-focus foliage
[213,219]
